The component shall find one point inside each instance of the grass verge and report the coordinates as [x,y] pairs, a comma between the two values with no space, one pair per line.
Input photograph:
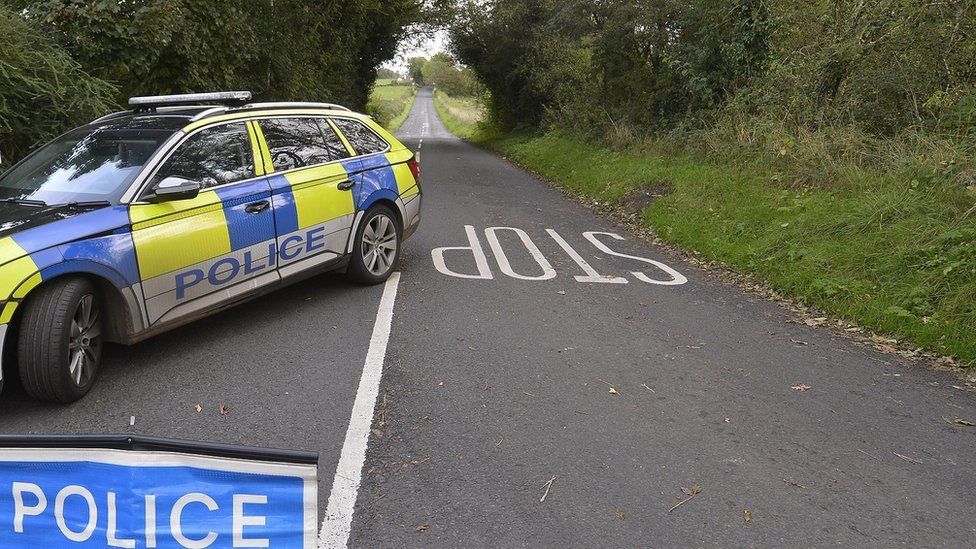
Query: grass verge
[461,115]
[390,105]
[891,253]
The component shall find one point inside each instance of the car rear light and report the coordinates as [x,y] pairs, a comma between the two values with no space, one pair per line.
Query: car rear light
[414,167]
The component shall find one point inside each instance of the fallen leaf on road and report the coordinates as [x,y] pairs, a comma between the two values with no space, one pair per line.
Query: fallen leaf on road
[613,391]
[422,527]
[814,322]
[747,515]
[199,408]
[958,421]
[620,514]
[690,492]
[223,409]
[794,483]
[561,292]
[800,387]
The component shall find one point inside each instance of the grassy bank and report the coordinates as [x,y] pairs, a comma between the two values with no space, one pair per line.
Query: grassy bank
[894,253]
[460,114]
[390,104]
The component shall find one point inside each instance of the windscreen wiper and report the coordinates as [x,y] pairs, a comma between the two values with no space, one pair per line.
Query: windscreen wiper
[88,203]
[25,201]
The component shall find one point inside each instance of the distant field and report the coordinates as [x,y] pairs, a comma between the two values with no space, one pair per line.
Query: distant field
[389,105]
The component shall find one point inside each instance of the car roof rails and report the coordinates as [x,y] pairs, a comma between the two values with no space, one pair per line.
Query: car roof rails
[150,103]
[297,105]
[270,106]
[212,104]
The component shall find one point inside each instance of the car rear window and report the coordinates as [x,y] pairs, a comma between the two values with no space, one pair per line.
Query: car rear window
[362,139]
[300,142]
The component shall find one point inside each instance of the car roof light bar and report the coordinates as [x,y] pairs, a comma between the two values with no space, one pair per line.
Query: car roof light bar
[225,98]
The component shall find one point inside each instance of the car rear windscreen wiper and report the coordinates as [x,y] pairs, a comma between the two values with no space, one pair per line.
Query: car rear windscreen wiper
[25,201]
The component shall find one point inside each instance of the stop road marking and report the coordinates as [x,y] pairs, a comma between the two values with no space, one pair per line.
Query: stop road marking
[476,249]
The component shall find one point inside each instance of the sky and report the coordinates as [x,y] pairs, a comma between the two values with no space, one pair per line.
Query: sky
[425,47]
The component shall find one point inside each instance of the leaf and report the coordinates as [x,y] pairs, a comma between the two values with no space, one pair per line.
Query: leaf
[800,387]
[691,491]
[958,421]
[199,408]
[422,527]
[747,515]
[223,409]
[613,391]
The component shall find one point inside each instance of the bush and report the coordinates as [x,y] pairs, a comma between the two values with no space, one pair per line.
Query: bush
[43,91]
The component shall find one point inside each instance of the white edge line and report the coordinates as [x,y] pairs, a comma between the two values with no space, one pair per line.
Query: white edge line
[337,522]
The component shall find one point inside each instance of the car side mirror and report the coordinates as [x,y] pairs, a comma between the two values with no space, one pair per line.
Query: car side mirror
[174,188]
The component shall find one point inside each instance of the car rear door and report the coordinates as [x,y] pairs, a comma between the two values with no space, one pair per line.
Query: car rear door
[197,253]
[313,184]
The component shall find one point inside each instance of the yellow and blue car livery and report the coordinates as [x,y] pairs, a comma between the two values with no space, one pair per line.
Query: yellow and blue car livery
[157,265]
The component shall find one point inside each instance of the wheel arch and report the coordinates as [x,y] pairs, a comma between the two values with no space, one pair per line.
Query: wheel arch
[387,198]
[383,197]
[122,320]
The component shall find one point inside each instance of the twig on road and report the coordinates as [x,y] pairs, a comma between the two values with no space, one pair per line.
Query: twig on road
[908,459]
[872,456]
[691,492]
[547,486]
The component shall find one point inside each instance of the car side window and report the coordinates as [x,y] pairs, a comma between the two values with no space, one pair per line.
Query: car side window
[362,139]
[213,156]
[299,142]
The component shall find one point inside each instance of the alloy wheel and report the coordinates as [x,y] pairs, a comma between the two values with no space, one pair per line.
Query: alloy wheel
[85,341]
[379,245]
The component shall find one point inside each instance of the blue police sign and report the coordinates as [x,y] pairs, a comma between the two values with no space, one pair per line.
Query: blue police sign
[154,493]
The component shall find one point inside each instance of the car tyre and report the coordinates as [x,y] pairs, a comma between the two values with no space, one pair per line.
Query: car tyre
[377,247]
[60,344]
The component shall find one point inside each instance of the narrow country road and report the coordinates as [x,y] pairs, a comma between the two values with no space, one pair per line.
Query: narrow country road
[495,385]
[550,380]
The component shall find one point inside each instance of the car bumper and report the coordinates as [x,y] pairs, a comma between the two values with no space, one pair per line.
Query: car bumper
[411,214]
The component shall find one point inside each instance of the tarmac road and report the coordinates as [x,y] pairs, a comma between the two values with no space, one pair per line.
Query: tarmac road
[494,386]
[498,380]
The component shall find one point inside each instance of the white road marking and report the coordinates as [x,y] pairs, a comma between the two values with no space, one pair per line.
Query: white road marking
[496,247]
[480,259]
[337,522]
[676,277]
[591,274]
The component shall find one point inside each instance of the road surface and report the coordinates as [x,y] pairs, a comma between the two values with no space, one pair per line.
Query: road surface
[540,390]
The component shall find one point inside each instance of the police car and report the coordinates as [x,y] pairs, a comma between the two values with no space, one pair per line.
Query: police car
[147,219]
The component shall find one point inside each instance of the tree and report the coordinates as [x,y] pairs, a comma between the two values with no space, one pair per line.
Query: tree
[416,69]
[317,51]
[43,91]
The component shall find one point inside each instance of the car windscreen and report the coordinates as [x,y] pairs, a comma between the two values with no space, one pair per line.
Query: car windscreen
[92,163]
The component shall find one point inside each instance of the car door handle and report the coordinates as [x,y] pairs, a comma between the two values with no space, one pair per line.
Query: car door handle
[345,185]
[257,207]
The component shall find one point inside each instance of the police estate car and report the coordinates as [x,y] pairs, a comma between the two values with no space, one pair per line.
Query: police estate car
[144,220]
